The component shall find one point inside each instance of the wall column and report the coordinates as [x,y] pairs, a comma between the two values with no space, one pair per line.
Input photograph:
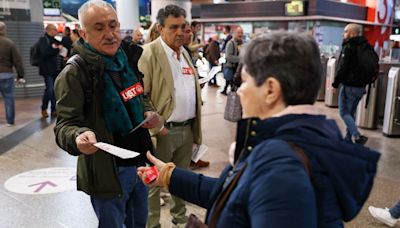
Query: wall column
[159,4]
[128,14]
[24,21]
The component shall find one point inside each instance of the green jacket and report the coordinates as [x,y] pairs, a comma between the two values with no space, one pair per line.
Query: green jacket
[96,173]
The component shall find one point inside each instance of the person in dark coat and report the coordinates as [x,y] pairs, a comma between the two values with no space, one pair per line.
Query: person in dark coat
[133,51]
[9,59]
[66,41]
[212,55]
[292,165]
[49,67]
[352,87]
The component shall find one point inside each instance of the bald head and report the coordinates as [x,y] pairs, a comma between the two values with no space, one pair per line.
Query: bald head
[352,30]
[238,34]
[51,30]
[2,28]
[137,36]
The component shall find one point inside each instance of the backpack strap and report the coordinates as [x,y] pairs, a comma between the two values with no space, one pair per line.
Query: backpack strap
[223,198]
[303,157]
[368,95]
[84,76]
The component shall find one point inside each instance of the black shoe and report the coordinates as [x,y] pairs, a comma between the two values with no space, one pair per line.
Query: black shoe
[348,138]
[361,140]
[224,93]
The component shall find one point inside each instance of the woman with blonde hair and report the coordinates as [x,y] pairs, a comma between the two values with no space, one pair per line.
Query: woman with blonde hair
[152,34]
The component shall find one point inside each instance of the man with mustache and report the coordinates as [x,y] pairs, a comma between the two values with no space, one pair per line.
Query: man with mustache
[170,80]
[118,197]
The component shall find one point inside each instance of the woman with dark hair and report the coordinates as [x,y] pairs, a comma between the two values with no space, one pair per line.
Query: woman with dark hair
[75,35]
[291,167]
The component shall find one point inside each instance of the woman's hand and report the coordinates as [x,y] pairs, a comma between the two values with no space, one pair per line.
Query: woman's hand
[141,171]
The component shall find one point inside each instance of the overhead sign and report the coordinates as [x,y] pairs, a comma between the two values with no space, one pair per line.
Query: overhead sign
[52,7]
[294,8]
[55,4]
[43,181]
[13,4]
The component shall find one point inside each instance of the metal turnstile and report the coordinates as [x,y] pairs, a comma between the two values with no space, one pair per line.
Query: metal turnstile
[366,115]
[331,95]
[321,92]
[391,119]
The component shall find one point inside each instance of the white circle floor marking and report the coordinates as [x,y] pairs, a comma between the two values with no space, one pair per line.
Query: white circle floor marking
[43,181]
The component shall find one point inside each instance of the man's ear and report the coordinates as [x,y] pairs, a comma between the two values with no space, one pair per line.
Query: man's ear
[273,91]
[159,28]
[82,33]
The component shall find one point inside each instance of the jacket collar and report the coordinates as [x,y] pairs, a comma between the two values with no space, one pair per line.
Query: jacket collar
[162,59]
[253,131]
[94,60]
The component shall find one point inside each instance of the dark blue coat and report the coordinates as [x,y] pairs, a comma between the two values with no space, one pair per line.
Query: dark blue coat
[48,63]
[274,190]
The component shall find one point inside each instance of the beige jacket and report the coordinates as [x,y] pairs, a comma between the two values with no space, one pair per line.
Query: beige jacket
[159,85]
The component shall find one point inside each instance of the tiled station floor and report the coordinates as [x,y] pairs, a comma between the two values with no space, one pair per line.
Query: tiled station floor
[29,145]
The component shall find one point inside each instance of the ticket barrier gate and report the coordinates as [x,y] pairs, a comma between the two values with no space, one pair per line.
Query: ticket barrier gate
[321,92]
[331,94]
[366,115]
[391,119]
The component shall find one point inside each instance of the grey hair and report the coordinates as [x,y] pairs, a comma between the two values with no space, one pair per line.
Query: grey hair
[139,29]
[172,10]
[89,4]
[3,28]
[356,28]
[291,58]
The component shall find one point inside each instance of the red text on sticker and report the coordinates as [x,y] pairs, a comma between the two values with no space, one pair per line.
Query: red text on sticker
[187,70]
[131,92]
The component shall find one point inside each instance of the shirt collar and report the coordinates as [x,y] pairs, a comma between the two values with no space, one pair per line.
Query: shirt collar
[299,109]
[170,52]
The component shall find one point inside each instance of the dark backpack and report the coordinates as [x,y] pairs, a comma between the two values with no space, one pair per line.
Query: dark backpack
[84,76]
[367,70]
[368,64]
[34,56]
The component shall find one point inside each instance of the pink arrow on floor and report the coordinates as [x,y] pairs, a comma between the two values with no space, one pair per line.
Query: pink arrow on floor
[42,185]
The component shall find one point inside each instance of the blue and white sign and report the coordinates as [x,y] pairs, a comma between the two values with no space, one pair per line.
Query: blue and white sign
[12,4]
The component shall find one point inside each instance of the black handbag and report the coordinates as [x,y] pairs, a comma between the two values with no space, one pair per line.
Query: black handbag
[195,222]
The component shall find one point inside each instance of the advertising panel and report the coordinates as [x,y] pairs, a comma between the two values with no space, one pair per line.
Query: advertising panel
[12,10]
